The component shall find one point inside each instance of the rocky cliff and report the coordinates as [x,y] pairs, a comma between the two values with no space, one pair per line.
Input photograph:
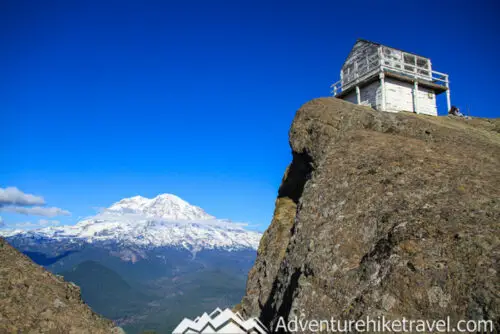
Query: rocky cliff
[32,300]
[391,214]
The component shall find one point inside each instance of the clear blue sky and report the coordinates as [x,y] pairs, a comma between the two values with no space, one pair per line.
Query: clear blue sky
[101,100]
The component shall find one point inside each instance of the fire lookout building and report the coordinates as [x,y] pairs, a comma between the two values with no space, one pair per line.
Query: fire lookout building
[389,79]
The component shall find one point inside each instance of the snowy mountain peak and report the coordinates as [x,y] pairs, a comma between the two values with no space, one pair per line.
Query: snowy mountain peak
[165,206]
[165,220]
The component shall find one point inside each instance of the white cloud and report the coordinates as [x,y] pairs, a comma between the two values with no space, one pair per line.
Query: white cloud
[46,222]
[16,201]
[24,225]
[14,196]
[36,211]
[2,223]
[41,223]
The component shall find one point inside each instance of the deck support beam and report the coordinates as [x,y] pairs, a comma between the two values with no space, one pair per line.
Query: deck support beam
[448,95]
[358,95]
[415,97]
[382,88]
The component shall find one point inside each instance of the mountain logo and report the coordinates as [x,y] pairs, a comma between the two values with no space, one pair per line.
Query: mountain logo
[221,322]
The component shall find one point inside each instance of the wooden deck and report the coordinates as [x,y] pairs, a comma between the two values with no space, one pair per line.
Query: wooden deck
[438,89]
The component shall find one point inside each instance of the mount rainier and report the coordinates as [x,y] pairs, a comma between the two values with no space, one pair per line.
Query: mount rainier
[147,263]
[163,221]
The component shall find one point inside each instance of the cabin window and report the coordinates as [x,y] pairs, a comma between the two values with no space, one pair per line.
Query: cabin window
[422,63]
[423,66]
[348,69]
[409,59]
[409,68]
[348,73]
[390,54]
[423,72]
[409,62]
[362,66]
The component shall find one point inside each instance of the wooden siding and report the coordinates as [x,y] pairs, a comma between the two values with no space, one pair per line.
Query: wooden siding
[426,102]
[370,95]
[398,95]
[351,97]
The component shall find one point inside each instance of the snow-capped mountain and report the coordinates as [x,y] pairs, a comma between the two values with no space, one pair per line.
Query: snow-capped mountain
[166,206]
[165,220]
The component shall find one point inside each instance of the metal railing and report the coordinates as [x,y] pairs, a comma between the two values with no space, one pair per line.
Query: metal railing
[380,62]
[336,88]
[435,77]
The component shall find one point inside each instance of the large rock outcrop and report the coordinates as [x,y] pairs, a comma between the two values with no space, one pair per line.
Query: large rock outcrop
[391,214]
[32,300]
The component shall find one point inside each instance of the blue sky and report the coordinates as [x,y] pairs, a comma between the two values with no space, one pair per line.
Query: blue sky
[101,100]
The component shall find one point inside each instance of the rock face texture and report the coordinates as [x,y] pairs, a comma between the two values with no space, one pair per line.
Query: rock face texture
[32,300]
[391,214]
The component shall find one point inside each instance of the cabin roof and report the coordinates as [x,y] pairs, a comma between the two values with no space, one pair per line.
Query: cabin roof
[379,44]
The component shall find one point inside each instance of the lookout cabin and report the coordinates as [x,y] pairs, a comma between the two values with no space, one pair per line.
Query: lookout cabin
[390,79]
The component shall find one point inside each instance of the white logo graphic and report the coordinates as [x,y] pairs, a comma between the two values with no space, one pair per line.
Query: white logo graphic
[220,322]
